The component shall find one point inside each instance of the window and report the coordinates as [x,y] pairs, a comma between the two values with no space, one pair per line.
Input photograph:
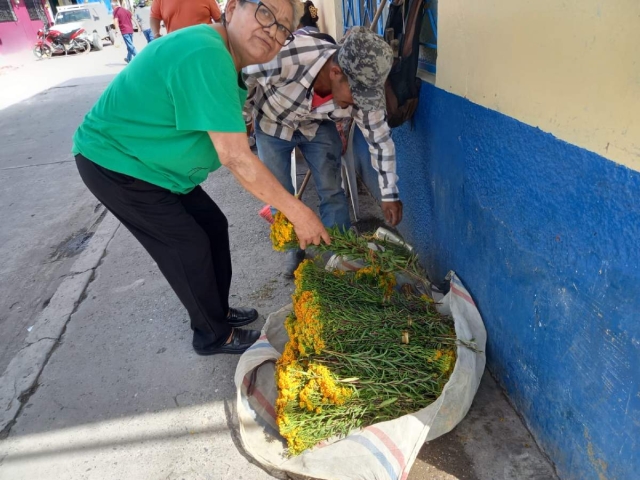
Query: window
[429,39]
[6,11]
[72,16]
[35,9]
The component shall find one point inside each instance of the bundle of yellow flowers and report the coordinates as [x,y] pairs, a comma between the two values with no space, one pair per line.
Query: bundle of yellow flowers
[283,236]
[360,350]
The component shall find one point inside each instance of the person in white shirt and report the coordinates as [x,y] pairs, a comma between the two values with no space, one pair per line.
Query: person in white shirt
[143,15]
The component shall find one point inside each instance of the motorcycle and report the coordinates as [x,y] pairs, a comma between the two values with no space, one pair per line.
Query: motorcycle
[52,41]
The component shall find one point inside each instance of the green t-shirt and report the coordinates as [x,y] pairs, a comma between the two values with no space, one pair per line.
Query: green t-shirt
[151,122]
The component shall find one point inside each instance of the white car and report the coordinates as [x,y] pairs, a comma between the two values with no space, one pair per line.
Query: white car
[93,17]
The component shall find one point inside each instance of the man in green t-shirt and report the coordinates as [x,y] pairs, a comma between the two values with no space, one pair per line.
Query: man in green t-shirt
[166,121]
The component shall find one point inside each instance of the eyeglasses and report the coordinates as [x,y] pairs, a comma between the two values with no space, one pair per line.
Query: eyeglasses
[266,18]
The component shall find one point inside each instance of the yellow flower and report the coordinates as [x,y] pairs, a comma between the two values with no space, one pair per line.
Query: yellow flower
[283,235]
[307,330]
[425,298]
[372,275]
[298,275]
[329,387]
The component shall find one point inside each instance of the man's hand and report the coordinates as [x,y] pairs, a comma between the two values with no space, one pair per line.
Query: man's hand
[392,212]
[309,229]
[155,27]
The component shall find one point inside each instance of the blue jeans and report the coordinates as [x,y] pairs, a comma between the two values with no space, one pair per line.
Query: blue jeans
[148,34]
[128,41]
[323,155]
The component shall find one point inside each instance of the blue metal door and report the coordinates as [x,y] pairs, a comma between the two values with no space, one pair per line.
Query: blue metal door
[360,13]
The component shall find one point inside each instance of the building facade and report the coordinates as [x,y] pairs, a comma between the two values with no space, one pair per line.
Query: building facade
[521,172]
[19,24]
[20,20]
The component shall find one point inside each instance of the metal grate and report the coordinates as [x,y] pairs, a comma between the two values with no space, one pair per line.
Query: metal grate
[360,13]
[35,9]
[6,11]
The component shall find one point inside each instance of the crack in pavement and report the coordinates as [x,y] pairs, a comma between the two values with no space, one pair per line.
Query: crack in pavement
[175,399]
[36,165]
[25,396]
[39,340]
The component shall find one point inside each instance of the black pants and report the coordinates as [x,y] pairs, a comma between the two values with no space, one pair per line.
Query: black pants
[187,236]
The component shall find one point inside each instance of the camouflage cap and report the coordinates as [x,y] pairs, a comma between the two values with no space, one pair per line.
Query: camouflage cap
[366,59]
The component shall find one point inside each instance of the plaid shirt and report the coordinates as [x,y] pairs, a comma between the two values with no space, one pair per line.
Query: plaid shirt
[280,94]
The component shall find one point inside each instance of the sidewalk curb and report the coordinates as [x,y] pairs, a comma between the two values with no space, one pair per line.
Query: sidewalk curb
[21,375]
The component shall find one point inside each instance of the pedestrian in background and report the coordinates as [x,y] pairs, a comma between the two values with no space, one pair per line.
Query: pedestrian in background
[123,21]
[309,24]
[177,14]
[143,16]
[309,19]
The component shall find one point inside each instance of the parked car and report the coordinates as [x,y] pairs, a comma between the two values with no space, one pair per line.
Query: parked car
[93,17]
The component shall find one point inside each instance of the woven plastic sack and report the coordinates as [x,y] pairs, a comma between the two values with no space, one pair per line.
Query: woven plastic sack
[383,451]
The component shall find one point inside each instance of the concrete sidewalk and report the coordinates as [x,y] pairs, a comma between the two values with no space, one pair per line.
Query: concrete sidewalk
[123,395]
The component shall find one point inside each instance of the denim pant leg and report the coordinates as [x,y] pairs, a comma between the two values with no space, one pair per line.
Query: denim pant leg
[148,34]
[131,49]
[275,153]
[323,155]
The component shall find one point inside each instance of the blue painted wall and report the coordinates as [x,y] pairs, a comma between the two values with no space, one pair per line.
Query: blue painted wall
[546,236]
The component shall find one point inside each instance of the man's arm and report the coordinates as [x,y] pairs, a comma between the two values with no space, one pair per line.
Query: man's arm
[155,27]
[214,8]
[383,159]
[137,22]
[155,17]
[247,109]
[234,153]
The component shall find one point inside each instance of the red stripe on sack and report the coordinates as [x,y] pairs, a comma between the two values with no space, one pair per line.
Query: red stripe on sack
[351,266]
[391,446]
[462,294]
[268,408]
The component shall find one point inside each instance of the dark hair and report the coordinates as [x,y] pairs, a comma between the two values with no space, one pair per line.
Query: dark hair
[310,16]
